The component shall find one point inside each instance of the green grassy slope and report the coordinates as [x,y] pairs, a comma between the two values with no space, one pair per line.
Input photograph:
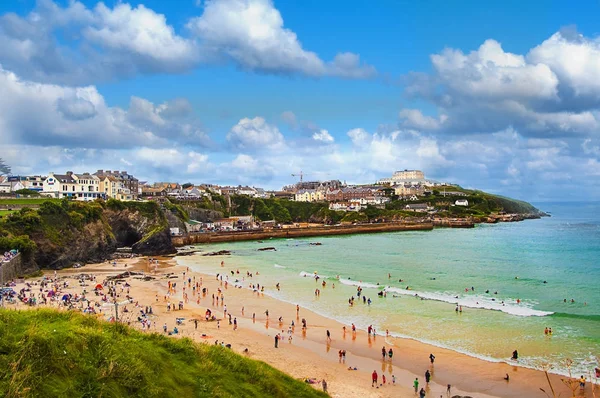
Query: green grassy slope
[45,353]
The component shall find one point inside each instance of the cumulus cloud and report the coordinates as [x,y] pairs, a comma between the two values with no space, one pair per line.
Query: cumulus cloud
[574,58]
[75,108]
[255,134]
[45,114]
[323,136]
[79,45]
[95,44]
[252,34]
[550,91]
[142,32]
[414,118]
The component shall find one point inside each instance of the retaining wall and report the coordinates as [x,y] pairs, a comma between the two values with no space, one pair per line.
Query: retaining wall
[236,236]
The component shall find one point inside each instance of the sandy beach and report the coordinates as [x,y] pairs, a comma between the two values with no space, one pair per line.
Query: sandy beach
[308,354]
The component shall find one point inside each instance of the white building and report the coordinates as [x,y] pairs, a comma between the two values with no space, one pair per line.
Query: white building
[408,175]
[461,202]
[84,187]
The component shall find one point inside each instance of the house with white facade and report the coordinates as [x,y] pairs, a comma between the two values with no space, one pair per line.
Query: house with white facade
[462,202]
[11,186]
[84,186]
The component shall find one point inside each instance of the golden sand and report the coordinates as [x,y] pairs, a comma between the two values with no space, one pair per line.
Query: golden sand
[308,354]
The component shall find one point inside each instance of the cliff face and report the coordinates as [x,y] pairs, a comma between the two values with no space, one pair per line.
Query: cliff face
[92,243]
[145,230]
[62,233]
[203,215]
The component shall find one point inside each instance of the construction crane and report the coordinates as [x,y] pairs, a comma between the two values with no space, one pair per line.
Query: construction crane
[301,175]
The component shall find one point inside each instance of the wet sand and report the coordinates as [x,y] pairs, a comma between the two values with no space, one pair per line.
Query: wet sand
[308,355]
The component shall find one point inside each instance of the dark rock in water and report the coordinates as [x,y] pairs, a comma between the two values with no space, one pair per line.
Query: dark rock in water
[315,243]
[263,249]
[187,253]
[219,253]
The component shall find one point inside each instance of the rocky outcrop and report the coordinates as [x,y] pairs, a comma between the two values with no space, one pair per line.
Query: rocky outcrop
[64,238]
[202,215]
[158,243]
[175,222]
[92,243]
[145,233]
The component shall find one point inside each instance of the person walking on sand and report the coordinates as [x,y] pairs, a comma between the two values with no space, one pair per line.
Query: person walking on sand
[276,340]
[324,384]
[374,378]
[427,376]
[390,354]
[328,336]
[383,353]
[431,358]
[416,384]
[422,393]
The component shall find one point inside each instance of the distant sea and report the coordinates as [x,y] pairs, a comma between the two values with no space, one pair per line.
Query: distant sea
[502,262]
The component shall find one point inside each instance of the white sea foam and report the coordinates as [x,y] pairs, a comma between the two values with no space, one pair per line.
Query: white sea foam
[350,282]
[278,266]
[475,301]
[312,275]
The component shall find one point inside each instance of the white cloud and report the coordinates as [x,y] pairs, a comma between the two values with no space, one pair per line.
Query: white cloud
[140,31]
[575,60]
[322,136]
[255,134]
[251,33]
[414,118]
[46,114]
[79,45]
[359,136]
[551,91]
[589,148]
[491,72]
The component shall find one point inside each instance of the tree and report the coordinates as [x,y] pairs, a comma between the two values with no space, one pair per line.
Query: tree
[187,185]
[4,168]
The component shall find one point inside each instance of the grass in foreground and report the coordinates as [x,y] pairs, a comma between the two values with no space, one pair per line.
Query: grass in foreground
[45,353]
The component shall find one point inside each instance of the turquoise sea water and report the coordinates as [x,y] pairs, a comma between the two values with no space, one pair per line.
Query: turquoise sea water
[512,259]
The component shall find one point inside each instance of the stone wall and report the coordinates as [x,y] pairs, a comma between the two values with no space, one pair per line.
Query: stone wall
[235,236]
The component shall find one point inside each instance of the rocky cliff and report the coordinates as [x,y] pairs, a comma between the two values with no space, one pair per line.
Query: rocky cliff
[62,233]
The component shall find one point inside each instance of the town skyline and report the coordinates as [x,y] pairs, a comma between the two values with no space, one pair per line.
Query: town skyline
[249,92]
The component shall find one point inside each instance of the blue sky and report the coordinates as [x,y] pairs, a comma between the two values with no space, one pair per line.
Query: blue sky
[498,95]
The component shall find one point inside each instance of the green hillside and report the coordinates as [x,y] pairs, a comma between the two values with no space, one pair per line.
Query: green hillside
[45,353]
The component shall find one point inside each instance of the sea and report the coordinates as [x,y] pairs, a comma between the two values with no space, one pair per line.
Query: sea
[512,281]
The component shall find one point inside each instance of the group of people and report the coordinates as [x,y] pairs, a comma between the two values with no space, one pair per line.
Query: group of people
[9,255]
